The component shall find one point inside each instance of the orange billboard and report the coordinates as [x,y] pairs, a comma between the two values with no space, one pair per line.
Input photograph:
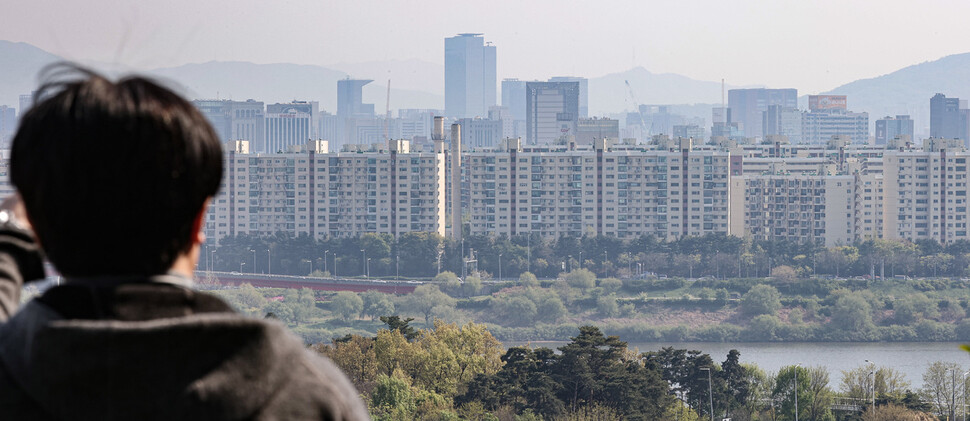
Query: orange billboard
[826,102]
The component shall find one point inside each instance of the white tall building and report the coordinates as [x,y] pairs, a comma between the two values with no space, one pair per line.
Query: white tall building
[290,124]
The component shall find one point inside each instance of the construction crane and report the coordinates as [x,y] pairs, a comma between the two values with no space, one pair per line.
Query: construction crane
[387,111]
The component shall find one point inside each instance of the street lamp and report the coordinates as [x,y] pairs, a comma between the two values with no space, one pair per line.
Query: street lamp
[580,259]
[872,372]
[796,390]
[325,254]
[569,259]
[500,266]
[363,260]
[367,267]
[212,259]
[710,391]
[254,259]
[269,261]
[311,265]
[241,264]
[397,266]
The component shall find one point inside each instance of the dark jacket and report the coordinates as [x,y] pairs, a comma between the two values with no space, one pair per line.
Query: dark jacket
[149,349]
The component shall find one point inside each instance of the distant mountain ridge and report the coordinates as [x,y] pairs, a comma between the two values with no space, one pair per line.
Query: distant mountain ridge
[905,91]
[908,90]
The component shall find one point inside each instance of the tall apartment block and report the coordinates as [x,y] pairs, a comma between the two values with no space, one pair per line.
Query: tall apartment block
[670,191]
[470,79]
[552,111]
[381,189]
[794,207]
[747,106]
[235,120]
[949,119]
[926,191]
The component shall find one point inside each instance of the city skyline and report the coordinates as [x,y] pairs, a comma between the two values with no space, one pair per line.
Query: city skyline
[727,42]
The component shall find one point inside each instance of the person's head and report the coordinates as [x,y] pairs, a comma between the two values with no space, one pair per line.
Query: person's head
[114,176]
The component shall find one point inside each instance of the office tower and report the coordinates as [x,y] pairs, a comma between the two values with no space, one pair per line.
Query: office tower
[820,127]
[513,97]
[692,131]
[470,80]
[290,124]
[783,121]
[589,130]
[949,118]
[235,120]
[309,191]
[502,114]
[350,101]
[8,125]
[823,103]
[552,111]
[27,101]
[480,133]
[748,105]
[583,92]
[888,128]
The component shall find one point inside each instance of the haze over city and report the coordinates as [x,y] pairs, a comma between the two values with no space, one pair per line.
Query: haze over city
[811,46]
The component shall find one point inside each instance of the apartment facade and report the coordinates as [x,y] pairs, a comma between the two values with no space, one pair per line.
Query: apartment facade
[381,189]
[623,191]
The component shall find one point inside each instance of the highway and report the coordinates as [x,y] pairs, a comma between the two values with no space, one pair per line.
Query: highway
[325,284]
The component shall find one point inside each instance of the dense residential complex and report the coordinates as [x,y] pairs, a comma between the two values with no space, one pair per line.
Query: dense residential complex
[620,190]
[382,189]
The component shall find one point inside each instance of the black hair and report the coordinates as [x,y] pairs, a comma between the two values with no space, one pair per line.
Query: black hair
[113,174]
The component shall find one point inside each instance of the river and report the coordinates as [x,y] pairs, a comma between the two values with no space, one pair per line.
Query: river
[909,358]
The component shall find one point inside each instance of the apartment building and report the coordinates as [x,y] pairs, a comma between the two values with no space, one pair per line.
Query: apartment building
[669,190]
[926,191]
[795,207]
[379,189]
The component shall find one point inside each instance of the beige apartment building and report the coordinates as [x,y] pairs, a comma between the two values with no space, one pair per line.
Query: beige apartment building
[795,207]
[310,191]
[670,190]
[926,191]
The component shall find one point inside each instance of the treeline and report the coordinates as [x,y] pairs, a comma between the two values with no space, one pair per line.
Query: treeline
[452,372]
[418,254]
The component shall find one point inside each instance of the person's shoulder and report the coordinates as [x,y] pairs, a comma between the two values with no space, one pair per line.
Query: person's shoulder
[316,387]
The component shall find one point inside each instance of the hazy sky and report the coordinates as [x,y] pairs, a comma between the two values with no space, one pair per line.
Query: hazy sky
[809,45]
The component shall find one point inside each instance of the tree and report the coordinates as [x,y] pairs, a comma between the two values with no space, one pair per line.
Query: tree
[472,286]
[608,306]
[581,278]
[943,387]
[377,304]
[347,305]
[792,380]
[424,299]
[280,311]
[516,310]
[448,281]
[396,323]
[821,396]
[611,285]
[549,308]
[784,275]
[528,280]
[761,299]
[851,313]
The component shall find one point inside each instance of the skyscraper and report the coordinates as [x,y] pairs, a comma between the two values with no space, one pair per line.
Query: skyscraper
[583,92]
[470,79]
[513,97]
[235,120]
[949,118]
[747,106]
[552,111]
[350,101]
[887,128]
